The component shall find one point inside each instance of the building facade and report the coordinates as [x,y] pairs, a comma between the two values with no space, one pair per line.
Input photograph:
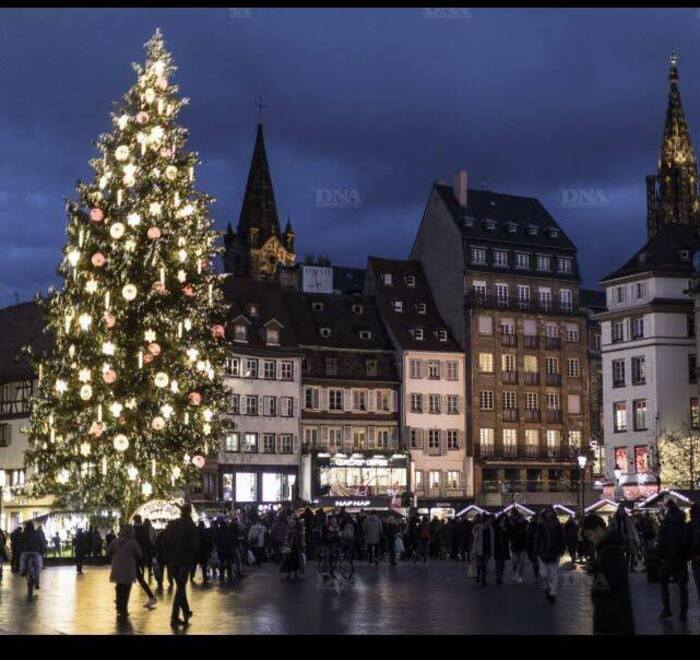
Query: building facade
[505,279]
[430,365]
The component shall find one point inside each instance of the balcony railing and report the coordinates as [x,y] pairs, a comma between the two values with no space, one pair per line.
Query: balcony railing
[532,378]
[528,486]
[509,339]
[554,416]
[553,380]
[526,452]
[532,415]
[510,451]
[488,301]
[552,343]
[531,341]
[486,450]
[509,377]
[618,383]
[510,414]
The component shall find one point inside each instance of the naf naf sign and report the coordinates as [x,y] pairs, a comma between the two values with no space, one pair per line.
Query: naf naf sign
[373,502]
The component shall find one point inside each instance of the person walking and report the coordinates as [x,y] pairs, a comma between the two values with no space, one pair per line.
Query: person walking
[164,569]
[183,541]
[694,533]
[571,537]
[256,541]
[203,553]
[308,522]
[531,549]
[483,545]
[125,555]
[143,539]
[14,548]
[389,531]
[623,524]
[3,550]
[550,548]
[518,544]
[81,549]
[372,532]
[422,541]
[674,550]
[610,592]
[501,549]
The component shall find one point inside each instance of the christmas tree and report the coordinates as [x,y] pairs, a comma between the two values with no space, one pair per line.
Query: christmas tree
[130,398]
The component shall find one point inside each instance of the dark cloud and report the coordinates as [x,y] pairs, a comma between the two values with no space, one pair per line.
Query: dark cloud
[370,104]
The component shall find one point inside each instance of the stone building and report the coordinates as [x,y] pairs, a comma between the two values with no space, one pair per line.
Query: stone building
[505,279]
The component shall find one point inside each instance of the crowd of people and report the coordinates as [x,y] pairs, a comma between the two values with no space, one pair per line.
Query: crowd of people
[664,546]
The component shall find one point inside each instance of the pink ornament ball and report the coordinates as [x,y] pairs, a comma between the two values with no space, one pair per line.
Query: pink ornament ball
[159,287]
[142,117]
[198,461]
[162,84]
[188,291]
[109,320]
[98,260]
[109,376]
[147,358]
[165,152]
[154,349]
[195,398]
[153,233]
[96,215]
[217,331]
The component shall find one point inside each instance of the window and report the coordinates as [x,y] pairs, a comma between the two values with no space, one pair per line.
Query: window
[410,280]
[251,404]
[485,325]
[638,371]
[638,328]
[641,289]
[358,438]
[358,309]
[434,479]
[572,333]
[251,368]
[312,398]
[310,436]
[434,439]
[325,332]
[522,261]
[452,404]
[621,458]
[553,401]
[387,279]
[486,400]
[510,438]
[268,445]
[418,334]
[382,439]
[507,326]
[551,365]
[240,332]
[690,324]
[486,363]
[442,335]
[286,443]
[397,305]
[317,306]
[620,294]
[639,408]
[335,436]
[414,368]
[478,255]
[530,364]
[365,334]
[545,297]
[421,308]
[269,369]
[253,310]
[453,479]
[618,332]
[371,367]
[272,336]
[532,230]
[531,402]
[359,400]
[574,404]
[500,258]
[641,459]
[501,294]
[692,369]
[433,369]
[523,295]
[335,399]
[620,416]
[287,370]
[544,262]
[532,437]
[575,439]
[618,373]
[479,289]
[507,362]
[566,301]
[416,403]
[233,366]
[286,406]
[694,414]
[573,368]
[551,330]
[486,436]
[553,439]
[383,401]
[331,366]
[564,265]
[270,406]
[419,479]
[235,404]
[250,443]
[434,403]
[232,442]
[452,369]
[452,439]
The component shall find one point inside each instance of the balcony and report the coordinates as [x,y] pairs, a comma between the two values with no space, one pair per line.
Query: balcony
[635,381]
[532,415]
[532,378]
[510,414]
[618,383]
[488,301]
[554,416]
[526,452]
[553,380]
[485,450]
[433,451]
[531,341]
[509,339]
[509,377]
[552,343]
[509,451]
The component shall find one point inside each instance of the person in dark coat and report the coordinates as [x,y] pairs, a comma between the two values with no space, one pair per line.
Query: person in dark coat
[3,550]
[532,528]
[550,547]
[694,533]
[674,550]
[501,550]
[610,593]
[143,539]
[517,534]
[81,547]
[162,558]
[571,536]
[389,531]
[206,545]
[14,548]
[483,546]
[125,555]
[183,540]
[308,521]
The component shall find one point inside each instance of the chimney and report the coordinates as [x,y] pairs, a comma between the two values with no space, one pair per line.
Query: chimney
[459,187]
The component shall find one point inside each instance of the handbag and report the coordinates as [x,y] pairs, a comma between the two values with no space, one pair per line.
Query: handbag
[251,557]
[398,546]
[471,569]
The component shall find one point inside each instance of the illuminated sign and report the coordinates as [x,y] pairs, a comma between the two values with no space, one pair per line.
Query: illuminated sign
[371,502]
[360,462]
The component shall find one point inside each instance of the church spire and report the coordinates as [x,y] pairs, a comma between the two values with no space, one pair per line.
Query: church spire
[672,195]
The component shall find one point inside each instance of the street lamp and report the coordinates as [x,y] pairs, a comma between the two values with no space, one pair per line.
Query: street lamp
[618,473]
[582,460]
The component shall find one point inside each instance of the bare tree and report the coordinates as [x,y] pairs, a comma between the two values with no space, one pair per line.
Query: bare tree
[679,457]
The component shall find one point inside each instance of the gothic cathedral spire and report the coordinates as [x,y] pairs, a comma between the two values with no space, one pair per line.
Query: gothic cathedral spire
[672,194]
[258,247]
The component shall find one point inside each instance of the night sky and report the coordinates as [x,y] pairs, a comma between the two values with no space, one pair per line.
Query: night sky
[372,104]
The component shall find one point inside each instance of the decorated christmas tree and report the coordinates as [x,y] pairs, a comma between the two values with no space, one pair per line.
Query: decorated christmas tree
[129,400]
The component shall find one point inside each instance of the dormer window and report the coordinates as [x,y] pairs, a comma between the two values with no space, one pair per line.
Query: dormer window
[554,233]
[387,279]
[371,367]
[421,308]
[469,221]
[544,262]
[442,335]
[365,334]
[642,258]
[240,332]
[253,310]
[272,336]
[490,225]
[325,332]
[417,333]
[532,230]
[684,255]
[397,305]
[317,306]
[410,280]
[500,258]
[512,227]
[331,367]
[358,309]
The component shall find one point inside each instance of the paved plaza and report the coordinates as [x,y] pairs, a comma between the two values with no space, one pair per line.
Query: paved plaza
[408,599]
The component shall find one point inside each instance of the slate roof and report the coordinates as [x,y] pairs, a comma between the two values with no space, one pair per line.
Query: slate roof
[348,280]
[660,254]
[21,325]
[592,299]
[401,323]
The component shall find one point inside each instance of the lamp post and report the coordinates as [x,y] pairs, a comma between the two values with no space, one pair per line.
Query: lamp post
[582,461]
[618,473]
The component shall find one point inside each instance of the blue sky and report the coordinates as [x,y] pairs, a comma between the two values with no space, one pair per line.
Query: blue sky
[379,103]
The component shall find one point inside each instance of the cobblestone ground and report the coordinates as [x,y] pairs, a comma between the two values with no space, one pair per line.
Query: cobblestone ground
[408,599]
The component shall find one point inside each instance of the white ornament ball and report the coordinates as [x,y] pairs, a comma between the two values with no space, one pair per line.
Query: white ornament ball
[161,379]
[129,292]
[122,152]
[149,95]
[121,442]
[86,392]
[158,423]
[123,122]
[116,231]
[171,172]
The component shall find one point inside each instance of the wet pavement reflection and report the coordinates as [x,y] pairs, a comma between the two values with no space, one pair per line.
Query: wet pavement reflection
[408,599]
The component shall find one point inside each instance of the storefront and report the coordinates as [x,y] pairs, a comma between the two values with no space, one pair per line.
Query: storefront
[442,509]
[358,475]
[353,504]
[266,485]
